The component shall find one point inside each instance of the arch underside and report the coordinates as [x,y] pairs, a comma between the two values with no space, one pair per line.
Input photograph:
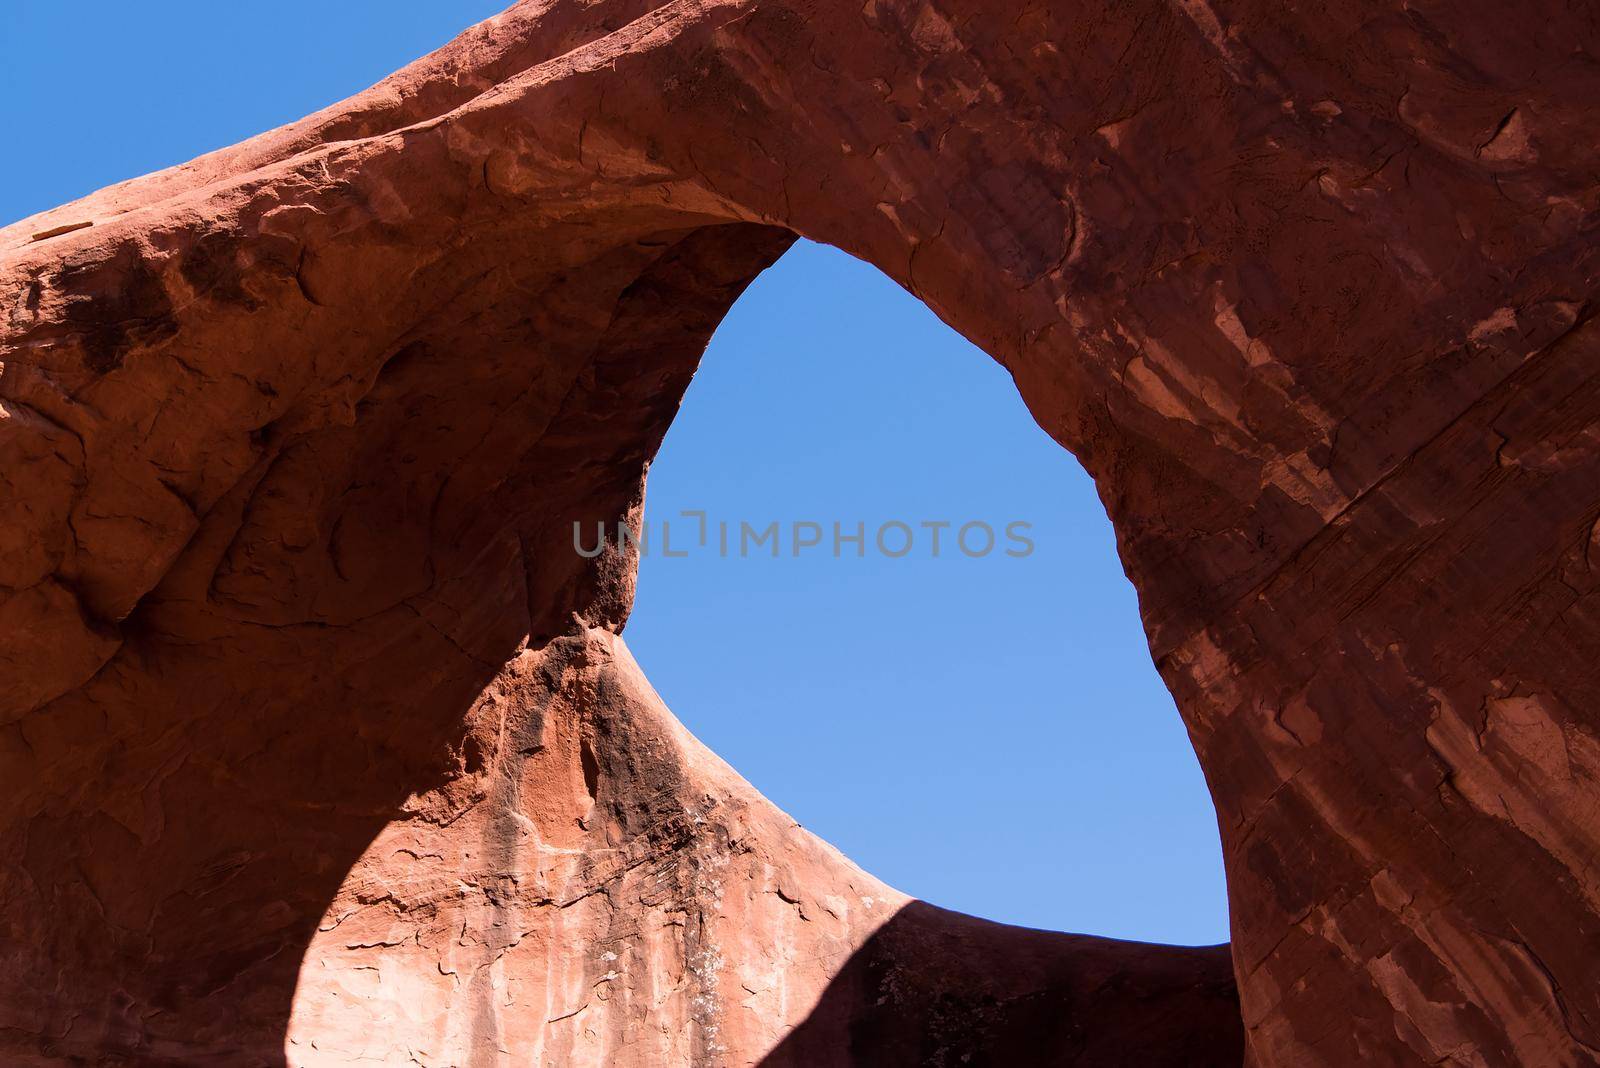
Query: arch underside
[328,745]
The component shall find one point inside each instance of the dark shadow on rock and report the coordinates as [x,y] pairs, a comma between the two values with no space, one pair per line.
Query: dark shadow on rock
[938,988]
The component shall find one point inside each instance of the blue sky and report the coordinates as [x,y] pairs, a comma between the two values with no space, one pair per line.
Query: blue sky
[986,733]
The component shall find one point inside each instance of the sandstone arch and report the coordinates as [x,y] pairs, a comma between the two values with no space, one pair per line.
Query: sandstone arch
[291,435]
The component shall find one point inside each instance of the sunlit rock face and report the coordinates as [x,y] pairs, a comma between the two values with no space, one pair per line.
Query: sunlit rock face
[320,739]
[602,890]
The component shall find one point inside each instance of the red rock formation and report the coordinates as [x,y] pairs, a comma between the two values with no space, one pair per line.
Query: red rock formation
[300,672]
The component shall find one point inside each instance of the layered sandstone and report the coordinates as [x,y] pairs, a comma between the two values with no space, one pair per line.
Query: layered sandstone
[303,691]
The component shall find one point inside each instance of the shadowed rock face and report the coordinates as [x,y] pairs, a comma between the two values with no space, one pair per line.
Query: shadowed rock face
[320,741]
[932,987]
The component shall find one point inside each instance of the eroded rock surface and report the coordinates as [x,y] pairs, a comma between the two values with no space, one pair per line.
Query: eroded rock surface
[291,439]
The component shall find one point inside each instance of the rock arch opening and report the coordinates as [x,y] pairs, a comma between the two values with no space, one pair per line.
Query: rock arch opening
[978,725]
